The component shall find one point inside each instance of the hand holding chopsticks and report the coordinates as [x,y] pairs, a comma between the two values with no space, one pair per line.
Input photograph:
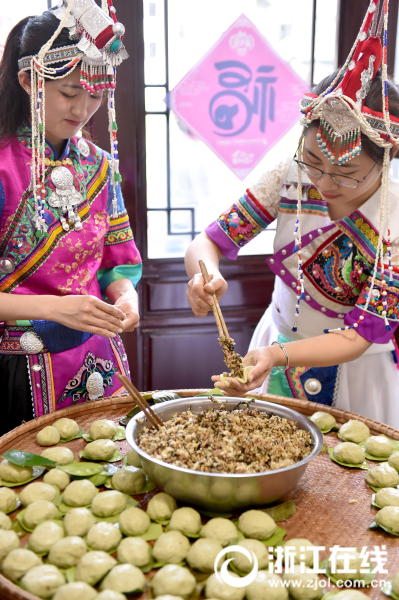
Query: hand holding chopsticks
[139,400]
[231,358]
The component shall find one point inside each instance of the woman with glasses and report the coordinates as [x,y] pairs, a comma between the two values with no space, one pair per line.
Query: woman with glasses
[353,371]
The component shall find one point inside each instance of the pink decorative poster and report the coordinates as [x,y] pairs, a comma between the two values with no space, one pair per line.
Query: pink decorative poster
[240,98]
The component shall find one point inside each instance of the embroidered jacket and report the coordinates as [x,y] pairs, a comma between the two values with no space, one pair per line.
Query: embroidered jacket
[338,256]
[72,262]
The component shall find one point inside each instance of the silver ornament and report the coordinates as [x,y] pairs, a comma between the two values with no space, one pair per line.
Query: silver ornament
[95,386]
[83,147]
[36,368]
[31,343]
[65,197]
[7,266]
[118,29]
[312,386]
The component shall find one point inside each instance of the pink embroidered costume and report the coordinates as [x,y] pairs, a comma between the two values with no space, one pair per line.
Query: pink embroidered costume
[65,262]
[338,259]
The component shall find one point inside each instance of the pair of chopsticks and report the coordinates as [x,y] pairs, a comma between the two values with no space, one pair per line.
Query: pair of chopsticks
[139,400]
[221,325]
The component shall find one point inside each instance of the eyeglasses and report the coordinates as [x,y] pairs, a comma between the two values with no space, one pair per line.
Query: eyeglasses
[349,182]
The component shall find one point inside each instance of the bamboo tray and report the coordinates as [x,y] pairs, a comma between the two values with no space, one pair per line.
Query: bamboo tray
[324,514]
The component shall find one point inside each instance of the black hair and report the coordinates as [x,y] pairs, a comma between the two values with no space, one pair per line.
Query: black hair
[25,39]
[374,102]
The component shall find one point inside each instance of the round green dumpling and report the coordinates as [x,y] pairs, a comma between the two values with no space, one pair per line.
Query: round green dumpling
[186,519]
[323,420]
[387,497]
[395,584]
[301,549]
[171,547]
[345,559]
[161,507]
[67,552]
[175,580]
[5,521]
[135,551]
[79,493]
[102,429]
[215,589]
[203,553]
[350,453]
[388,517]
[220,529]
[14,473]
[8,499]
[103,536]
[242,563]
[303,586]
[256,524]
[124,578]
[379,446]
[129,480]
[38,511]
[110,595]
[108,504]
[38,491]
[18,562]
[93,566]
[48,436]
[8,541]
[61,455]
[43,581]
[382,476]
[267,586]
[169,597]
[100,450]
[393,461]
[78,590]
[58,478]
[67,428]
[133,459]
[78,521]
[134,521]
[354,431]
[45,535]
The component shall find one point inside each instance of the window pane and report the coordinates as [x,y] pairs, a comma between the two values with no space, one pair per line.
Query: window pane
[156,161]
[154,99]
[160,244]
[154,42]
[198,178]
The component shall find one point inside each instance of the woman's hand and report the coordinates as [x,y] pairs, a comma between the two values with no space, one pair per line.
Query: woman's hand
[128,304]
[263,361]
[199,295]
[87,313]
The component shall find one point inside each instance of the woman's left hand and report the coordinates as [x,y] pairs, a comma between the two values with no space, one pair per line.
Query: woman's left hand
[129,305]
[263,362]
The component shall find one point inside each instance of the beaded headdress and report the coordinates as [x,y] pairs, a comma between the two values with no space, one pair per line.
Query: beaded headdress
[344,117]
[97,46]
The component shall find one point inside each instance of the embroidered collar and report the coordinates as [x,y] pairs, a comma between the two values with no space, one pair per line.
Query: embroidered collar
[24,135]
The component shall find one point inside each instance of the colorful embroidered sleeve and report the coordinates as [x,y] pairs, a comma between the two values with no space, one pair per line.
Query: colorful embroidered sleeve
[372,326]
[248,217]
[121,258]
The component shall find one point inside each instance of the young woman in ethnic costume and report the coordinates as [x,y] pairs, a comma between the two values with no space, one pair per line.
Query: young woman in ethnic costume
[343,244]
[65,240]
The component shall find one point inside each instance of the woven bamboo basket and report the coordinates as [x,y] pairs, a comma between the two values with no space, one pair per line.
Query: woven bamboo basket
[333,503]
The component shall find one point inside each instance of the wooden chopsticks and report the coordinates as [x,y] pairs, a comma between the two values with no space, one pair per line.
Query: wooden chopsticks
[221,325]
[143,404]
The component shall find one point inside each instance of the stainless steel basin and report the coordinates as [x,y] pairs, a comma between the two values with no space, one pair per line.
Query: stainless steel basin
[215,491]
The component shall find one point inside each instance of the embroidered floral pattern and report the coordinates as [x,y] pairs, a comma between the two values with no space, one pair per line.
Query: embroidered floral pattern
[119,231]
[76,387]
[376,306]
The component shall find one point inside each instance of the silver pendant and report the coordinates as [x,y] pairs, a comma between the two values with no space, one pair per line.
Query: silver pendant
[83,148]
[7,266]
[65,197]
[31,343]
[95,386]
[312,386]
